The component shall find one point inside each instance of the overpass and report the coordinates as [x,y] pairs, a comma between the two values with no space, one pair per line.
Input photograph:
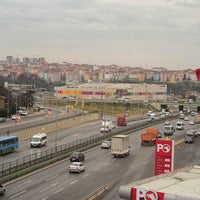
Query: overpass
[181,106]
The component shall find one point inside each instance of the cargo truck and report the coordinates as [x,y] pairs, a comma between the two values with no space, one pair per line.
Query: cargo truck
[106,126]
[121,120]
[150,136]
[120,146]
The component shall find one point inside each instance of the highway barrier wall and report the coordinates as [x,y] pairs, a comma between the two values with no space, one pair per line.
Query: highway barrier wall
[56,125]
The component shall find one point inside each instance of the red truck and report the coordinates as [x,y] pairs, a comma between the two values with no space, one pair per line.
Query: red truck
[121,120]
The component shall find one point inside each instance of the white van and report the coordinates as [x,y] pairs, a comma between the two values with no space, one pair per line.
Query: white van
[169,129]
[179,125]
[39,140]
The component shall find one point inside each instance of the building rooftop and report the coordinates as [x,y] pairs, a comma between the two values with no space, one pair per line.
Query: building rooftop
[182,184]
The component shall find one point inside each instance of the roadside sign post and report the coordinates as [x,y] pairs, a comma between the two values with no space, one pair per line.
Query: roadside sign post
[164,156]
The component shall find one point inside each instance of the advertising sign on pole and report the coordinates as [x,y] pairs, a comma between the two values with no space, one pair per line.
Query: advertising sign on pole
[164,156]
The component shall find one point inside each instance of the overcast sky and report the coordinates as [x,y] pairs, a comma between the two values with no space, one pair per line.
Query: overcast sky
[137,33]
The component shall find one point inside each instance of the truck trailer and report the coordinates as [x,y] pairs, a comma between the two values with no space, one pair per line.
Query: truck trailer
[120,146]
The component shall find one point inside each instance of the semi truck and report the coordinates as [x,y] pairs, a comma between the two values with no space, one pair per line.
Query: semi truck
[106,126]
[121,120]
[150,136]
[120,146]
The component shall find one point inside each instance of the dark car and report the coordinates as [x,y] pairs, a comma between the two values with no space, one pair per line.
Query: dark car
[2,189]
[77,157]
[2,119]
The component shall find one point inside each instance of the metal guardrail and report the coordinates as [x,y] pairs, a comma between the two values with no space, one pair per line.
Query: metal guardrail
[63,151]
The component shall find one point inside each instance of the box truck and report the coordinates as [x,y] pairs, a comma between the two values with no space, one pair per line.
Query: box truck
[120,146]
[106,126]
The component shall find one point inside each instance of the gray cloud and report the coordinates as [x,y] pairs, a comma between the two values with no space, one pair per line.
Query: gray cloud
[128,32]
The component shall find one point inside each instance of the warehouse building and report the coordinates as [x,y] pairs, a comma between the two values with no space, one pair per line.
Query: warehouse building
[136,92]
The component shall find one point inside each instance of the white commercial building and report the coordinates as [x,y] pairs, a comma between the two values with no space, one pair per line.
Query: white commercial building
[136,92]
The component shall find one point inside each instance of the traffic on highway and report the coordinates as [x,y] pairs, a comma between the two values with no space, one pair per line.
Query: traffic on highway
[99,168]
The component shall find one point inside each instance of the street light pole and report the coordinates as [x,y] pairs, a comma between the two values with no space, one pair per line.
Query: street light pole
[8,107]
[56,133]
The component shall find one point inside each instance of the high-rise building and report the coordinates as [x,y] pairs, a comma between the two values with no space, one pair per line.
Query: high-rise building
[9,59]
[41,59]
[26,60]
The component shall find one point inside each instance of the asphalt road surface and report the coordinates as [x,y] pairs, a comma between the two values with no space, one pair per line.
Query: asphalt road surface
[56,182]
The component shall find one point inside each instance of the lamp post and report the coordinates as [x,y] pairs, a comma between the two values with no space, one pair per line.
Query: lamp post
[8,106]
[56,133]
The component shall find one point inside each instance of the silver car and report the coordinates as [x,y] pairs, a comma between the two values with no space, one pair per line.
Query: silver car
[2,119]
[106,144]
[76,167]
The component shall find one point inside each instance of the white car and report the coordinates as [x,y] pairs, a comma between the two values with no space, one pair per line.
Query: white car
[106,144]
[167,123]
[191,122]
[198,132]
[186,119]
[14,117]
[193,113]
[162,116]
[113,126]
[22,112]
[76,167]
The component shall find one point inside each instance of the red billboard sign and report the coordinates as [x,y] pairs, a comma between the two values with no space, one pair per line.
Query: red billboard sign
[143,194]
[164,156]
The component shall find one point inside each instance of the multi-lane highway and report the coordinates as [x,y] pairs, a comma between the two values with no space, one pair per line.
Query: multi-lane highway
[55,182]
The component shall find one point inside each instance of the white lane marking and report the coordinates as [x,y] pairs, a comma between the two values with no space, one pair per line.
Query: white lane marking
[86,175]
[96,169]
[52,178]
[113,159]
[18,194]
[53,185]
[73,182]
[45,198]
[105,164]
[29,181]
[59,190]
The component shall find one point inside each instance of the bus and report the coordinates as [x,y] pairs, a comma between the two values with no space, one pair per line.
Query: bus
[8,144]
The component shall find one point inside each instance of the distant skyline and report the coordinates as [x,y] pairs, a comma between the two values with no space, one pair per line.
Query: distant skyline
[137,33]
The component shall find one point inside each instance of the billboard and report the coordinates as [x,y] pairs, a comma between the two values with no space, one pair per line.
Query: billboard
[164,156]
[121,92]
